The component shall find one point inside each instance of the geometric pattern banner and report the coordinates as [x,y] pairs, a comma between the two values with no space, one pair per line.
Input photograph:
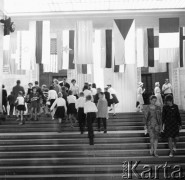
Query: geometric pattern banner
[182,46]
[124,37]
[53,58]
[153,52]
[169,40]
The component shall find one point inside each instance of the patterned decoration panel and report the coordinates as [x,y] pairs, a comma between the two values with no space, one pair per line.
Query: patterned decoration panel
[53,46]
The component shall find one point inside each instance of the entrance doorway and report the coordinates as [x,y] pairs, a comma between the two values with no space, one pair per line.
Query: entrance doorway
[149,80]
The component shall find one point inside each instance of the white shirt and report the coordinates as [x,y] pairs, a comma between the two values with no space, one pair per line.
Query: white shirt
[59,102]
[90,107]
[87,92]
[74,89]
[52,94]
[111,91]
[94,91]
[167,88]
[20,100]
[71,99]
[80,102]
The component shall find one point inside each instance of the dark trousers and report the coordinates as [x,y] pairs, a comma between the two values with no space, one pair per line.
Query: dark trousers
[11,109]
[91,116]
[81,119]
[104,123]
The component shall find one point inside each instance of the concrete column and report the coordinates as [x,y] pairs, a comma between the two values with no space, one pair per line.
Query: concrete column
[1,51]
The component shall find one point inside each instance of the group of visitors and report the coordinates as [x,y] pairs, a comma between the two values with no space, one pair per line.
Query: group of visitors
[160,94]
[161,116]
[64,102]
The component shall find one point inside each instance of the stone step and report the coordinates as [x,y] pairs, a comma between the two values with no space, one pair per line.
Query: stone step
[55,135]
[146,159]
[82,147]
[19,129]
[137,152]
[55,123]
[116,119]
[69,169]
[79,141]
[101,176]
[85,146]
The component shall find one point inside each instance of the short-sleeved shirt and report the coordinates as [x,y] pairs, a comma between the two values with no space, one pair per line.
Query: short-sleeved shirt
[20,100]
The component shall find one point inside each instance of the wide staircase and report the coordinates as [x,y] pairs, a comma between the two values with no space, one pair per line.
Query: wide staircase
[38,151]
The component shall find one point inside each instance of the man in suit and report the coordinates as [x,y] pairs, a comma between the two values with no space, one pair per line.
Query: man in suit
[65,84]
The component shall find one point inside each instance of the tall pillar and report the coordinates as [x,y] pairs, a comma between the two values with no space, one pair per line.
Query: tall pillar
[1,51]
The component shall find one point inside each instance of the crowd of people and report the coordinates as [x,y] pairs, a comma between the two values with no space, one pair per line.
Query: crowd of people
[161,116]
[67,103]
[62,101]
[159,93]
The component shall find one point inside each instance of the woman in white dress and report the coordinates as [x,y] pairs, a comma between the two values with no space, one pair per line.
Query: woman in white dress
[157,93]
[140,100]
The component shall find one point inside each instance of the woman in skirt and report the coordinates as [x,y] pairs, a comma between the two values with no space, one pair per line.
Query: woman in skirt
[52,96]
[61,110]
[20,101]
[71,111]
[114,99]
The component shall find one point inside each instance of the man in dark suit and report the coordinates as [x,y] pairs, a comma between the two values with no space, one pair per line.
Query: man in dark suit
[65,84]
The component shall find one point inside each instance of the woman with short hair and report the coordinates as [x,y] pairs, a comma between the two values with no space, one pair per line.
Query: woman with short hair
[172,123]
[153,124]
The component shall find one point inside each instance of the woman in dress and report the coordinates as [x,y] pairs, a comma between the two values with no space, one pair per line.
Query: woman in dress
[140,100]
[171,123]
[153,124]
[157,93]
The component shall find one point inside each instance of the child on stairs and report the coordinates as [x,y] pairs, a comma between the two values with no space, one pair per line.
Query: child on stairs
[20,101]
[80,108]
[71,110]
[61,108]
[90,110]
